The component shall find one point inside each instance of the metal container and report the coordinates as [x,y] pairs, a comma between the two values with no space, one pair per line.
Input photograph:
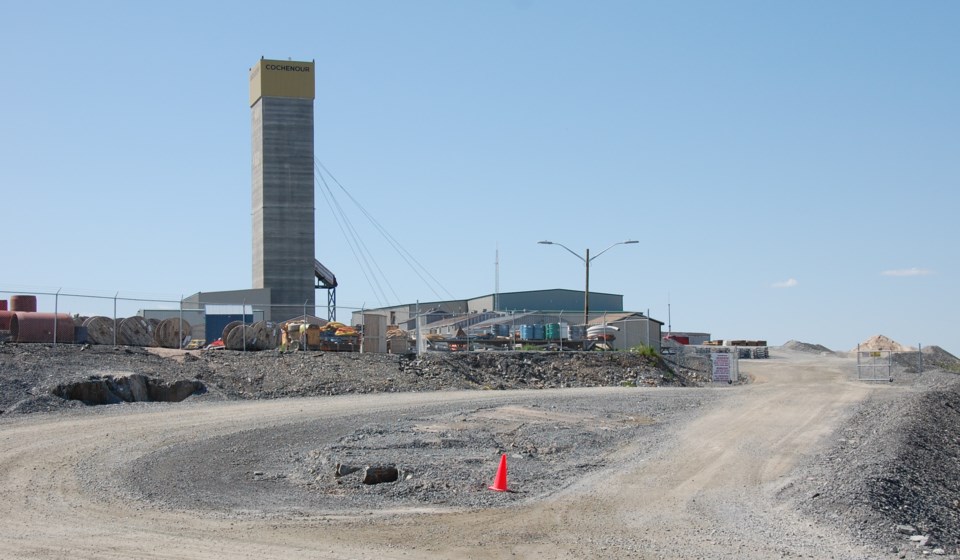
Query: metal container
[552,331]
[526,332]
[38,327]
[539,333]
[23,303]
[5,320]
[577,332]
[3,305]
[80,335]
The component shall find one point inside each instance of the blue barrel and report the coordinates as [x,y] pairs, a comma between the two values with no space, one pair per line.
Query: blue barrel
[501,329]
[526,332]
[538,332]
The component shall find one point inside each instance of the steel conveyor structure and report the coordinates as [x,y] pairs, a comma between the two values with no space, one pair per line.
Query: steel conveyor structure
[326,281]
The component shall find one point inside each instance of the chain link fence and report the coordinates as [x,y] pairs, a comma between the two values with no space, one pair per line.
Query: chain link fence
[58,316]
[193,322]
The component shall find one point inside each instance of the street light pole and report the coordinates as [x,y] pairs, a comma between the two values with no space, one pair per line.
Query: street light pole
[586,262]
[586,292]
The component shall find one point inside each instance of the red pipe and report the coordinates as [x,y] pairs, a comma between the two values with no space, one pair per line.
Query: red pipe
[23,303]
[5,320]
[38,327]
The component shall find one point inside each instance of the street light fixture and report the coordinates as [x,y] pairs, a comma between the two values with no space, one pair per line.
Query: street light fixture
[586,261]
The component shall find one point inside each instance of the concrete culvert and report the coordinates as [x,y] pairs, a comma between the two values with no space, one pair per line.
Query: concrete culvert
[130,388]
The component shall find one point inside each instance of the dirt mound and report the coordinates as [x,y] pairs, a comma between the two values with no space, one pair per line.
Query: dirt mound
[881,343]
[931,357]
[807,347]
[943,359]
[894,464]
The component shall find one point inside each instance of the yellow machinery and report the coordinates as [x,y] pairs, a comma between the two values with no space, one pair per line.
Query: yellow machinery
[332,337]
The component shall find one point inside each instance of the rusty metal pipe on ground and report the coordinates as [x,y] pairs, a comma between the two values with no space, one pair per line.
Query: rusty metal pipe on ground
[38,327]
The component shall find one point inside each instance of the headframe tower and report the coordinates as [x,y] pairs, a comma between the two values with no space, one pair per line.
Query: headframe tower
[281,110]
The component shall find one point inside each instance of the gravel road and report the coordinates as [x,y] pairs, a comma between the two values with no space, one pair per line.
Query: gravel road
[618,472]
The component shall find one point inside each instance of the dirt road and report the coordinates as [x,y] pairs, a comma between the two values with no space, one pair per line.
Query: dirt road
[704,487]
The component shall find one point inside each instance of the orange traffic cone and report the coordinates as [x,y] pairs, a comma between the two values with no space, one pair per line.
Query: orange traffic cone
[500,481]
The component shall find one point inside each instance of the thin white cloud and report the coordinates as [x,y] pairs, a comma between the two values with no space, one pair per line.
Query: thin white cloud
[789,283]
[907,272]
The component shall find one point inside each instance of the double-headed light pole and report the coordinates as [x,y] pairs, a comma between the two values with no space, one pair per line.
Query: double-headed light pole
[586,261]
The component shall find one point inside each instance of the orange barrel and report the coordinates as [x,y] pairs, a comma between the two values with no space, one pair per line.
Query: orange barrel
[23,303]
[5,320]
[38,327]
[3,305]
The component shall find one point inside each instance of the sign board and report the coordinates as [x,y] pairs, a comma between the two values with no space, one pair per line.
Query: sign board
[281,78]
[722,367]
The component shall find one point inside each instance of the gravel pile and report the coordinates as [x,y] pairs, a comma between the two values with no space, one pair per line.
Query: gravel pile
[442,458]
[807,347]
[893,474]
[933,358]
[31,374]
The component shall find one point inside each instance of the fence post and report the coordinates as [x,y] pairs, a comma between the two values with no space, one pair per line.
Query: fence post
[417,327]
[56,310]
[180,325]
[243,323]
[648,328]
[363,330]
[115,326]
[560,328]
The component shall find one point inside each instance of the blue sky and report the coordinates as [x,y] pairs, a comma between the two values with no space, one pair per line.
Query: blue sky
[791,169]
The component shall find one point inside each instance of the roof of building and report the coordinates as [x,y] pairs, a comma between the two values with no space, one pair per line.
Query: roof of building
[427,304]
[615,317]
[546,290]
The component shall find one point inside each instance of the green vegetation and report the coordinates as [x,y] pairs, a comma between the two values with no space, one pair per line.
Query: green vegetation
[645,350]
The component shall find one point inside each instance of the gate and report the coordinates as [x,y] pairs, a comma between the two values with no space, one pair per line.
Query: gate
[874,365]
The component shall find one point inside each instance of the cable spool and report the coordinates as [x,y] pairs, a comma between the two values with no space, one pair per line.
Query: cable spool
[228,328]
[100,330]
[135,331]
[258,336]
[171,333]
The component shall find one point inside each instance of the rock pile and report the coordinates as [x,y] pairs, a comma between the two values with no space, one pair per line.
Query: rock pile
[806,347]
[30,374]
[893,476]
[931,358]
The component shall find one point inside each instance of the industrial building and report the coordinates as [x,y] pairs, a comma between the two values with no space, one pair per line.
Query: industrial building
[554,300]
[509,312]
